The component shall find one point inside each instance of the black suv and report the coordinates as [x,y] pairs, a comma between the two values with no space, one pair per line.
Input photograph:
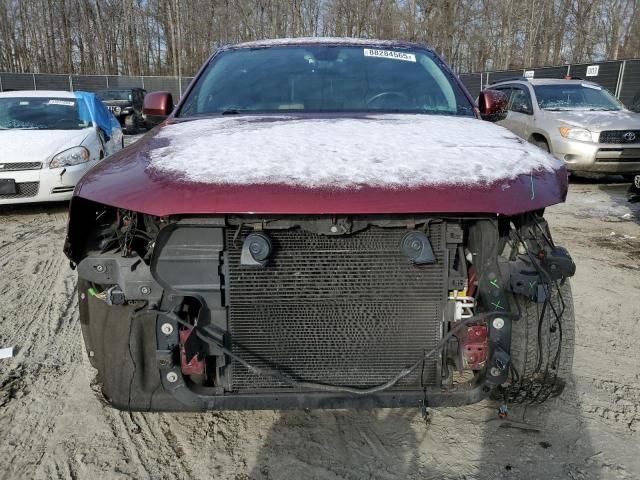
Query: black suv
[126,105]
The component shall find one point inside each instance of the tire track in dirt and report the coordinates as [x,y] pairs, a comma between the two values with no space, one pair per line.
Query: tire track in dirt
[607,364]
[34,284]
[36,307]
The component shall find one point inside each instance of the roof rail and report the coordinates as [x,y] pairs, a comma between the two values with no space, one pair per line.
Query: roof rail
[510,79]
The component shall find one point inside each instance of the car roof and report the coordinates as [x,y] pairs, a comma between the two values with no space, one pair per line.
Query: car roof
[544,81]
[119,89]
[557,81]
[38,93]
[347,41]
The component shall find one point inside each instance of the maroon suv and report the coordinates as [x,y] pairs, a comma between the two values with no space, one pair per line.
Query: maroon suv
[323,223]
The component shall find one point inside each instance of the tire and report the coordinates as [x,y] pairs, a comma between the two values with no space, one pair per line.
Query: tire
[541,143]
[130,124]
[537,374]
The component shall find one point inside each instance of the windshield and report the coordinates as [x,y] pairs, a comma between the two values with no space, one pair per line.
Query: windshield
[38,113]
[114,95]
[575,97]
[326,79]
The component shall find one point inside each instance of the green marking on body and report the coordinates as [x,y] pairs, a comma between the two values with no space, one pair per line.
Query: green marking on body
[533,192]
[497,305]
[494,282]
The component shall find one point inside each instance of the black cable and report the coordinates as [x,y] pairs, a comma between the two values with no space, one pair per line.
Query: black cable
[523,390]
[559,324]
[550,385]
[338,388]
[555,363]
[548,239]
[558,317]
[526,341]
[543,388]
[540,321]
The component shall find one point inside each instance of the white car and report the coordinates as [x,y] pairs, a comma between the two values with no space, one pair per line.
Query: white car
[48,140]
[578,121]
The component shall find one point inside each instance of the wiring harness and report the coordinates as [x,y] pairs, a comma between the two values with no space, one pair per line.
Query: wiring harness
[536,386]
[208,337]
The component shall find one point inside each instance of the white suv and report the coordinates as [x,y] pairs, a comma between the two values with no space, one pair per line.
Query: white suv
[578,121]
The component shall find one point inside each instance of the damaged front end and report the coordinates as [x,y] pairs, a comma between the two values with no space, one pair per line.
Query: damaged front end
[311,311]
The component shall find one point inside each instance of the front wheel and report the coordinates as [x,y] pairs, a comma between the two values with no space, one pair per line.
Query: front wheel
[541,143]
[542,347]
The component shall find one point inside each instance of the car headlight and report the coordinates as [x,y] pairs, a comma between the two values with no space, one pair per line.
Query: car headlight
[574,133]
[73,156]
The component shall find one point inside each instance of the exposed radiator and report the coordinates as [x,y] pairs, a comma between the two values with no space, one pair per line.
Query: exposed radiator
[347,310]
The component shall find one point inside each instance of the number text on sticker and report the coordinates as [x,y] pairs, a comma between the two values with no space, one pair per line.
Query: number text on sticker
[407,57]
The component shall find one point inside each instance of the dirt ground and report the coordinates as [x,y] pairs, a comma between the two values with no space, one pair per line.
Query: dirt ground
[52,425]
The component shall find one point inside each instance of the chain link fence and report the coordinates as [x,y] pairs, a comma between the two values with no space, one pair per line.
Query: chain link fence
[620,77]
[91,83]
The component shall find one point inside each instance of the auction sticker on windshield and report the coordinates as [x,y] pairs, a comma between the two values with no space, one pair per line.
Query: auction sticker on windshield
[407,57]
[62,102]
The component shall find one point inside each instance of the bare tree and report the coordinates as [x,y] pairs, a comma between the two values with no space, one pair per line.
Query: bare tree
[175,36]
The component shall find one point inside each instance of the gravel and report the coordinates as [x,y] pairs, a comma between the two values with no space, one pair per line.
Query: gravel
[52,424]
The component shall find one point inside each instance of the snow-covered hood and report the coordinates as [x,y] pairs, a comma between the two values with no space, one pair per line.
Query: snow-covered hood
[328,164]
[382,151]
[596,121]
[37,145]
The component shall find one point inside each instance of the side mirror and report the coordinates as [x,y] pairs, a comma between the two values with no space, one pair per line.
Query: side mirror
[157,107]
[492,105]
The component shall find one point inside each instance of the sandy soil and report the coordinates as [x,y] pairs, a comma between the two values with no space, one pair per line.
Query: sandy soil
[53,426]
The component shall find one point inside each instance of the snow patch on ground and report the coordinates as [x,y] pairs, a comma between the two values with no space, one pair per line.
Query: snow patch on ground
[380,151]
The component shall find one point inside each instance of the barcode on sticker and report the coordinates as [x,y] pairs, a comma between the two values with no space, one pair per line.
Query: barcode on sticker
[407,57]
[61,102]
